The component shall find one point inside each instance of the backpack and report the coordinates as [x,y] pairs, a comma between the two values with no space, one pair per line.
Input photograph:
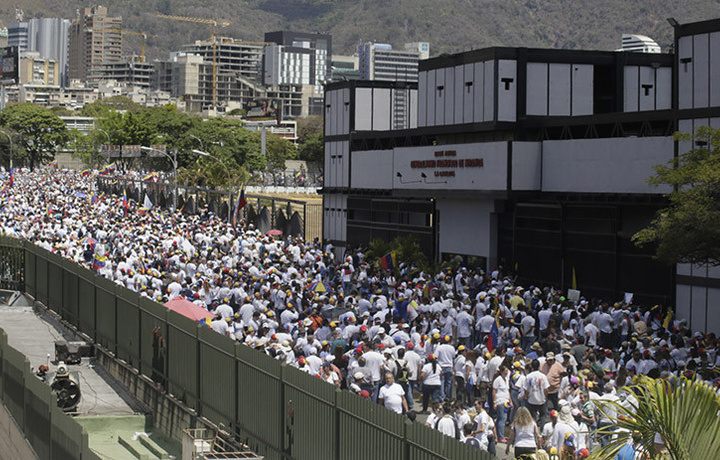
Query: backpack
[473,442]
[402,371]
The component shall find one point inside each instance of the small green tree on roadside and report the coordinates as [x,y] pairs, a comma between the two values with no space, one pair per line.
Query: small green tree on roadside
[688,229]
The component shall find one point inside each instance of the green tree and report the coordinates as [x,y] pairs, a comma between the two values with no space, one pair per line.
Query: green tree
[41,132]
[102,107]
[407,251]
[312,149]
[688,230]
[683,413]
[278,150]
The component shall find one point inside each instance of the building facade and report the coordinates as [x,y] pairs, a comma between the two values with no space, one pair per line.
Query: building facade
[95,38]
[380,62]
[531,159]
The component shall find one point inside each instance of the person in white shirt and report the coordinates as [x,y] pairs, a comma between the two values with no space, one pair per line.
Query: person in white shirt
[392,395]
[524,435]
[501,401]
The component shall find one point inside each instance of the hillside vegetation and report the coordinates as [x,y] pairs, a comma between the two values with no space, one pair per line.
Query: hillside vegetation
[449,26]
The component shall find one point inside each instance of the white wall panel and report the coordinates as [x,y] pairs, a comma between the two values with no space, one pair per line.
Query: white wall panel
[468,92]
[663,93]
[582,89]
[479,92]
[631,91]
[458,105]
[329,115]
[526,164]
[713,311]
[698,318]
[537,88]
[449,96]
[431,95]
[363,109]
[440,96]
[344,153]
[456,216]
[613,165]
[559,83]
[422,99]
[701,71]
[507,98]
[413,109]
[372,169]
[490,86]
[381,109]
[715,69]
[685,72]
[682,301]
[345,112]
[646,88]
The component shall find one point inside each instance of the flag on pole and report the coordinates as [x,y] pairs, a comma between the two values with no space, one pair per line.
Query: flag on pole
[85,172]
[12,177]
[148,202]
[241,202]
[668,318]
[125,201]
[54,163]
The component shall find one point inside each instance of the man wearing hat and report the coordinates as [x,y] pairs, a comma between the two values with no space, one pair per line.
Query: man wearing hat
[554,373]
[445,353]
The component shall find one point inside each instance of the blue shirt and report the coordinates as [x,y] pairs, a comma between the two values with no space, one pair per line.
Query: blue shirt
[626,453]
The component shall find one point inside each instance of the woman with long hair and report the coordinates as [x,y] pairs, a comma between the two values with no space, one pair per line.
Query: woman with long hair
[524,435]
[430,378]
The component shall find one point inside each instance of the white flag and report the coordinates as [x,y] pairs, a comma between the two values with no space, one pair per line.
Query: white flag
[148,204]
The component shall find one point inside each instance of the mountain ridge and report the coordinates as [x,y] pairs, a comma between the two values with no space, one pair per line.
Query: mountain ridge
[449,26]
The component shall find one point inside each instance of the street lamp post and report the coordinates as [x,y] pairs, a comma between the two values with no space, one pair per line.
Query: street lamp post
[227,173]
[173,159]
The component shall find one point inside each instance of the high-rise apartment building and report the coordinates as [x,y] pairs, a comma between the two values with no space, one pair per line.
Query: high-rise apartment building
[236,56]
[380,62]
[95,38]
[37,70]
[297,58]
[46,36]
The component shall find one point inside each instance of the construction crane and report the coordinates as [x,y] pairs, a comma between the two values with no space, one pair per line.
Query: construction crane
[213,24]
[144,36]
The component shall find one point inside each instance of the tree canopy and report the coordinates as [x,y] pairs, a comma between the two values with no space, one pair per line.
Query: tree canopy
[688,230]
[40,133]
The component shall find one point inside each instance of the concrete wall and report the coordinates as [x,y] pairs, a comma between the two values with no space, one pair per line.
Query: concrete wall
[697,296]
[13,445]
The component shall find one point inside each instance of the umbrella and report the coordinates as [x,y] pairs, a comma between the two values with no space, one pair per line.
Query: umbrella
[274,232]
[319,286]
[87,240]
[79,195]
[188,309]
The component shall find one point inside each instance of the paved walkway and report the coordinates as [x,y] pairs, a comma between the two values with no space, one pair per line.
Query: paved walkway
[34,336]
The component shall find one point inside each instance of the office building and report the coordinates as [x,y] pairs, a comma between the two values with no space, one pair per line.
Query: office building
[298,59]
[532,159]
[380,62]
[344,68]
[95,38]
[423,49]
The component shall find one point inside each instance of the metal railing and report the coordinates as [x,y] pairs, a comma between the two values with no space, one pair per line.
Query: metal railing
[278,411]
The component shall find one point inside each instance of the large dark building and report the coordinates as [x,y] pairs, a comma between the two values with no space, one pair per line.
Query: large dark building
[533,159]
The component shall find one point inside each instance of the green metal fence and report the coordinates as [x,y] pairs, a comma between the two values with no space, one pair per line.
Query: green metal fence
[51,433]
[279,411]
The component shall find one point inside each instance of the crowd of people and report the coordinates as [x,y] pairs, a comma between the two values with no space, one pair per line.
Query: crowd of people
[472,354]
